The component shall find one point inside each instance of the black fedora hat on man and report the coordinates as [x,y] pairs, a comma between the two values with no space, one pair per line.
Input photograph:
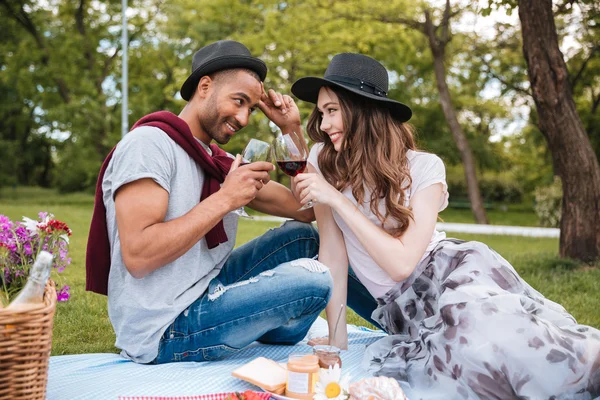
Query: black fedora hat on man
[357,73]
[224,54]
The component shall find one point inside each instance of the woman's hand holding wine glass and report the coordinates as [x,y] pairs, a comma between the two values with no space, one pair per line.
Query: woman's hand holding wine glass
[313,188]
[289,148]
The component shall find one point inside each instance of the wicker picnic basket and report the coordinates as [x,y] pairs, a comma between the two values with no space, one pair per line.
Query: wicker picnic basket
[25,342]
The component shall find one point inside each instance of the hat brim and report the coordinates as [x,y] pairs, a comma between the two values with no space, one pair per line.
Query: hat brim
[307,89]
[218,64]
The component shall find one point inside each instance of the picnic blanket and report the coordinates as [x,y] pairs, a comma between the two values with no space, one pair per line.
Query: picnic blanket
[110,376]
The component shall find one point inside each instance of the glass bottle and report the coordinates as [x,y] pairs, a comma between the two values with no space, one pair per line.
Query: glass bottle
[33,292]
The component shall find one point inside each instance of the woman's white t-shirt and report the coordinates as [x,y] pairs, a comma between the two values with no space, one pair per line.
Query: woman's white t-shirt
[425,170]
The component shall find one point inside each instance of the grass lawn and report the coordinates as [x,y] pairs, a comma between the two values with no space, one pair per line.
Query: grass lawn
[513,216]
[81,325]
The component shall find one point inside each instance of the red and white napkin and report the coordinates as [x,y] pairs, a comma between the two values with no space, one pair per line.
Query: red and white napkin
[216,396]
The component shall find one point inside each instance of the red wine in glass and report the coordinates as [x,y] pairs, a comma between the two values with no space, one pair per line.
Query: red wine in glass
[292,168]
[291,152]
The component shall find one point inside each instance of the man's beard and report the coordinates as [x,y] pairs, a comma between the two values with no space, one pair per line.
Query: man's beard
[212,124]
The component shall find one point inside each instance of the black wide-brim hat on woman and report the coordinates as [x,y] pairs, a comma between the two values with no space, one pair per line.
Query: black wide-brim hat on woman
[357,73]
[224,54]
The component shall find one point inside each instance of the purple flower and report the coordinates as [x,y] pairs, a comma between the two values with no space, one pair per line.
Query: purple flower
[7,276]
[27,249]
[63,294]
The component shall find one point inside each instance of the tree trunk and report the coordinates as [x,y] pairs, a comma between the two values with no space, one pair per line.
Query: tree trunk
[573,158]
[464,148]
[44,180]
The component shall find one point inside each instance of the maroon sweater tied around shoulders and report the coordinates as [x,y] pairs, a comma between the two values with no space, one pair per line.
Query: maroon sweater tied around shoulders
[215,167]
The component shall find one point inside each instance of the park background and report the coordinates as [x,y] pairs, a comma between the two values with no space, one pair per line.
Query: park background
[512,144]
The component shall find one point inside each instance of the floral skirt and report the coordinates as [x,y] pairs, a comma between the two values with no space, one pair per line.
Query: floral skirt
[465,325]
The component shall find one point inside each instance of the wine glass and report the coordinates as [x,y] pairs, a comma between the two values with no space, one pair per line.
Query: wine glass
[256,150]
[291,152]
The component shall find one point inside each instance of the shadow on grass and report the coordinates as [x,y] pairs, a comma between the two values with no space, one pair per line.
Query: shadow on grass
[556,264]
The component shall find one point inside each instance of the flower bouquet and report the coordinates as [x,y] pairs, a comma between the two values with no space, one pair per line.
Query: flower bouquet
[21,242]
[26,333]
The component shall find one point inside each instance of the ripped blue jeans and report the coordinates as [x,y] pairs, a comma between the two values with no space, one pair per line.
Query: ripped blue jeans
[269,290]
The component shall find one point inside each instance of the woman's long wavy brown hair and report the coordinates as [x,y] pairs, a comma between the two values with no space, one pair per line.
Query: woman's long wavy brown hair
[372,156]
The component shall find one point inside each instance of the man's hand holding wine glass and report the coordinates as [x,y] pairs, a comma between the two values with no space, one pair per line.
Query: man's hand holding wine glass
[243,182]
[256,150]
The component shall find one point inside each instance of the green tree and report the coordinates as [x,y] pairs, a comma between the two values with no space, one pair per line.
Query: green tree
[581,19]
[434,25]
[573,157]
[65,58]
[289,37]
[25,149]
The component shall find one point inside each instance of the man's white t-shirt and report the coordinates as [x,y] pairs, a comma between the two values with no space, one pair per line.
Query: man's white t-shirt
[141,310]
[425,170]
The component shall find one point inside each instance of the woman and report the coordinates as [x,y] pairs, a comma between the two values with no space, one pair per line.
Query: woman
[462,323]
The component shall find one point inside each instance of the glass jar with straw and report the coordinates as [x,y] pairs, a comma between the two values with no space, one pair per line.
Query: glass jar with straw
[330,355]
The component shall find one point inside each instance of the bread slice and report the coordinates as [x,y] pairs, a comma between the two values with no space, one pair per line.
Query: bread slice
[264,373]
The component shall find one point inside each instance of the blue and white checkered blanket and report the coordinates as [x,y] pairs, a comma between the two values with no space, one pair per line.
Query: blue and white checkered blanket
[107,376]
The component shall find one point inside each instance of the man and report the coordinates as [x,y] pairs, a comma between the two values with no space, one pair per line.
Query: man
[176,290]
